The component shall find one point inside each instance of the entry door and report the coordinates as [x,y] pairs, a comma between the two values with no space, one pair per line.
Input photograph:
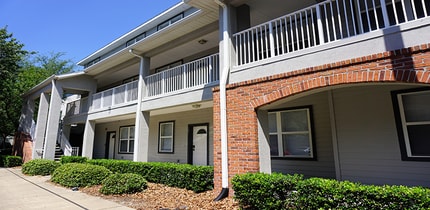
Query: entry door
[200,144]
[110,144]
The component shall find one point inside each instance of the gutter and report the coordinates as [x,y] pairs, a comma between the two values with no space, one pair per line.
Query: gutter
[223,104]
[139,101]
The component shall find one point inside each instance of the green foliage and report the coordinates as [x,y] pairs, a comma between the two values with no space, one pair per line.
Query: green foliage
[73,159]
[41,167]
[79,175]
[11,56]
[263,191]
[123,183]
[10,161]
[196,178]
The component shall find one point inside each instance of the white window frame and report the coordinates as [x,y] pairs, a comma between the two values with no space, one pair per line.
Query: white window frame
[404,127]
[171,21]
[279,133]
[161,138]
[129,138]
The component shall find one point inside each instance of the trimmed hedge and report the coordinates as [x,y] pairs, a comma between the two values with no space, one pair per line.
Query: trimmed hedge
[123,183]
[196,178]
[10,161]
[41,167]
[277,191]
[73,159]
[79,175]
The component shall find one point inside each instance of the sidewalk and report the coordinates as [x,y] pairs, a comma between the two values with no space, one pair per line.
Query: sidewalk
[18,191]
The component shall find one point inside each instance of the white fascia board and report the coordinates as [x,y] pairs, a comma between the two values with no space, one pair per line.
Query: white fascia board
[169,13]
[48,81]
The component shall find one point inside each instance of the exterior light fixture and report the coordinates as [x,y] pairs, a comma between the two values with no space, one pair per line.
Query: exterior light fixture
[202,41]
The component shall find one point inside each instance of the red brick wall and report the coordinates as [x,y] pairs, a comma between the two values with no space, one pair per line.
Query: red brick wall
[409,65]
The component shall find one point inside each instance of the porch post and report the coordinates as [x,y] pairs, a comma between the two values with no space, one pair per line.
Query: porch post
[65,143]
[26,118]
[263,141]
[53,121]
[39,135]
[88,144]
[141,130]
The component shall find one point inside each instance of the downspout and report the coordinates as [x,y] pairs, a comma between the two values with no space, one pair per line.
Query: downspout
[139,102]
[223,104]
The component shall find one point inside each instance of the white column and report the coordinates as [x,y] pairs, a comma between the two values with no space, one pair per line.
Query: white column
[88,144]
[26,118]
[39,136]
[263,142]
[65,143]
[141,130]
[53,121]
[141,140]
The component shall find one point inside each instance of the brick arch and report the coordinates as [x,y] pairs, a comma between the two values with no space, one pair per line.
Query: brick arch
[410,65]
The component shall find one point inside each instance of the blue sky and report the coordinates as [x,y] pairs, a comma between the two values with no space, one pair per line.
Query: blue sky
[75,27]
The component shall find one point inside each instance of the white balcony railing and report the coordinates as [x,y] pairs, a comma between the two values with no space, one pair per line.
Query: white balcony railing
[77,107]
[200,72]
[322,23]
[115,96]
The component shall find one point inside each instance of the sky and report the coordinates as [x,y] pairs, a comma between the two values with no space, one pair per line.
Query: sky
[76,28]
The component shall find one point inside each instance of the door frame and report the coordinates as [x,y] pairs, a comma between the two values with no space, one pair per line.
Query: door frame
[190,142]
[107,144]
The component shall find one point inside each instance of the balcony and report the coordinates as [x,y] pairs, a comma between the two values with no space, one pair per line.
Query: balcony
[117,96]
[77,107]
[190,75]
[195,74]
[323,23]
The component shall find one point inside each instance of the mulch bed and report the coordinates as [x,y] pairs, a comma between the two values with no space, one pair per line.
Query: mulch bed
[158,196]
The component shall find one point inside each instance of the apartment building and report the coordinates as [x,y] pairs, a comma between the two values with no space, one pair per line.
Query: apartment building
[336,89]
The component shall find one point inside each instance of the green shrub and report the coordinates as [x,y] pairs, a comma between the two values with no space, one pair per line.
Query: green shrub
[276,191]
[73,159]
[11,161]
[41,167]
[196,178]
[79,175]
[265,191]
[123,183]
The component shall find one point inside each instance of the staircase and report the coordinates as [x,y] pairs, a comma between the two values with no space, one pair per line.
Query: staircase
[58,152]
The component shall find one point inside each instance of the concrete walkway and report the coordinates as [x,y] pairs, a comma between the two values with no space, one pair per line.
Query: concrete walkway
[18,191]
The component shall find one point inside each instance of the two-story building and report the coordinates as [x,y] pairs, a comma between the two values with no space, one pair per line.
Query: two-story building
[336,89]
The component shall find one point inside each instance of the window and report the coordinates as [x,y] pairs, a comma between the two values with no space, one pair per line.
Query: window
[126,139]
[135,39]
[170,21]
[168,66]
[166,139]
[413,123]
[290,133]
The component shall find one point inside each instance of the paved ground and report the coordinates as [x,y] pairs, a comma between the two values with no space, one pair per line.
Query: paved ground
[18,191]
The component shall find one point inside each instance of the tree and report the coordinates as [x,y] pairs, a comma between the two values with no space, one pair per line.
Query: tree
[21,70]
[11,56]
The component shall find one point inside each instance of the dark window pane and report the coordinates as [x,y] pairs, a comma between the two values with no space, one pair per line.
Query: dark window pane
[296,144]
[123,146]
[274,145]
[419,140]
[131,146]
[416,107]
[272,122]
[294,121]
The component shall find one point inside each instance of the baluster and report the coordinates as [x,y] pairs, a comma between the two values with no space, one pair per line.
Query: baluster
[320,25]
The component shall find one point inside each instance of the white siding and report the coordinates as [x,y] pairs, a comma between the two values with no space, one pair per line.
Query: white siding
[100,138]
[369,149]
[182,120]
[323,166]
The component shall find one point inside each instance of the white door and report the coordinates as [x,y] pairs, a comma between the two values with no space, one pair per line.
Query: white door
[200,145]
[111,144]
